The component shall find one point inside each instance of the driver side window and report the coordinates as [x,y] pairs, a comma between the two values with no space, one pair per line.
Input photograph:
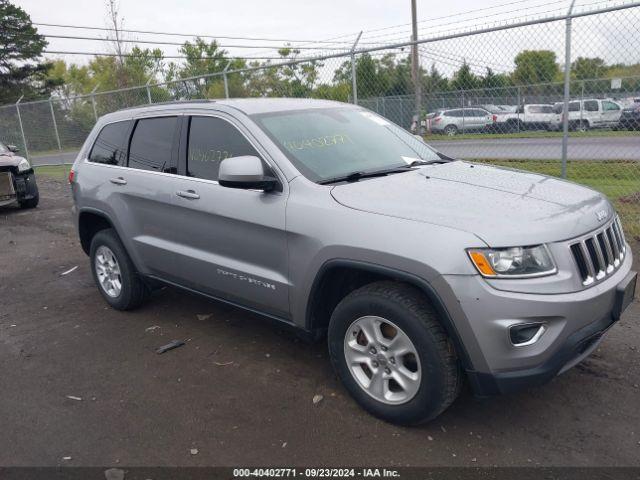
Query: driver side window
[211,140]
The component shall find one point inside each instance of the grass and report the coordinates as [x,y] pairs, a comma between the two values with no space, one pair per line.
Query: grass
[59,172]
[538,134]
[618,179]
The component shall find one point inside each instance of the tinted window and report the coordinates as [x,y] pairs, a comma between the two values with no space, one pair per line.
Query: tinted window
[109,146]
[574,106]
[546,109]
[453,113]
[591,106]
[151,144]
[610,106]
[211,140]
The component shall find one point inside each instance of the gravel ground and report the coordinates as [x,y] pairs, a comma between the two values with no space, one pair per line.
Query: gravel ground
[82,385]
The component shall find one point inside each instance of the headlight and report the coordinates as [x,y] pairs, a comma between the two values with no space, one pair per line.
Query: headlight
[23,166]
[514,262]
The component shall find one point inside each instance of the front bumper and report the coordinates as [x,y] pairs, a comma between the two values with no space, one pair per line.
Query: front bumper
[575,324]
[17,187]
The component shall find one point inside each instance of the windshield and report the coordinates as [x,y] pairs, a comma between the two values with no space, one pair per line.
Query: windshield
[334,142]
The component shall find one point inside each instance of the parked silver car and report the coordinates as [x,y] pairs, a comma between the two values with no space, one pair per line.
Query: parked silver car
[422,271]
[457,120]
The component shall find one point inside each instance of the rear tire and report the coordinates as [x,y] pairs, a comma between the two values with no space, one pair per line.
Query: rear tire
[428,373]
[450,130]
[114,272]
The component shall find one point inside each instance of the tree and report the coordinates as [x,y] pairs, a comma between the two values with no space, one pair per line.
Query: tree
[535,66]
[464,78]
[434,81]
[585,68]
[492,80]
[21,71]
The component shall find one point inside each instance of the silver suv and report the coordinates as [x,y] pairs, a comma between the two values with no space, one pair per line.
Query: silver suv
[460,120]
[421,270]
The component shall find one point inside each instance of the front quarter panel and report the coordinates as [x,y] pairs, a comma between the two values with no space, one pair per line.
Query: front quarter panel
[320,230]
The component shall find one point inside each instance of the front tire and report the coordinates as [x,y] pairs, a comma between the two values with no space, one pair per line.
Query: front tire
[392,354]
[31,203]
[114,272]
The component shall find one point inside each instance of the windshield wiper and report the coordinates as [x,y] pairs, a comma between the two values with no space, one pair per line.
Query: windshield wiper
[355,176]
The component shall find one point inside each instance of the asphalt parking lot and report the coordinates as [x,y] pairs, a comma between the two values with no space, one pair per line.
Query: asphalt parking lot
[82,385]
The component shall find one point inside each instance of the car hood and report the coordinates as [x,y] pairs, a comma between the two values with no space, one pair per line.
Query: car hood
[9,160]
[503,207]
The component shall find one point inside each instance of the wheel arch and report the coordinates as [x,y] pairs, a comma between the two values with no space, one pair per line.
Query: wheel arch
[90,222]
[339,277]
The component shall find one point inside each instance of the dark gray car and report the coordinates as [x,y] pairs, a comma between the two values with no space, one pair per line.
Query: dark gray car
[421,271]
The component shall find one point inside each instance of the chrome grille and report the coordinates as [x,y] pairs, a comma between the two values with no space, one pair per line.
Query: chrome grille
[601,253]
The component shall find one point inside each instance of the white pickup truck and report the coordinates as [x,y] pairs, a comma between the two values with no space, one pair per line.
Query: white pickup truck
[526,117]
[589,113]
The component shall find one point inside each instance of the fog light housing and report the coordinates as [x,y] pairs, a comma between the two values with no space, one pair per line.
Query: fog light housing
[524,334]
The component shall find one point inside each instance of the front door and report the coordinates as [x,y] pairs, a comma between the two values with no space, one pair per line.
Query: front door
[611,112]
[230,243]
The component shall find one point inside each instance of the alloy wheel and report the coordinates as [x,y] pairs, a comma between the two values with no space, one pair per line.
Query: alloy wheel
[108,271]
[382,359]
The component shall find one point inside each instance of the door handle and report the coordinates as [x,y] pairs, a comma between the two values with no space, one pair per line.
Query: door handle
[118,181]
[188,194]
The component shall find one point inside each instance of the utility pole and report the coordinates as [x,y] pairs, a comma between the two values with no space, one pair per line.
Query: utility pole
[415,64]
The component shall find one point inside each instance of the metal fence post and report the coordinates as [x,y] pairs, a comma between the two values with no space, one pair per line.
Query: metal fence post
[93,102]
[567,91]
[24,139]
[224,78]
[517,114]
[55,124]
[148,91]
[354,80]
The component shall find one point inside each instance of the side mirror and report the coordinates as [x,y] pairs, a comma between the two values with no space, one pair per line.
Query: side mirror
[246,172]
[13,148]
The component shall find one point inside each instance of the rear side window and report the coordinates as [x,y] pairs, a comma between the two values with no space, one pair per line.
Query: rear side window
[211,140]
[574,106]
[591,106]
[610,106]
[110,143]
[151,144]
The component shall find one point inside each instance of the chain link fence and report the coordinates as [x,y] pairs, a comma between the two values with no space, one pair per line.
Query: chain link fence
[558,95]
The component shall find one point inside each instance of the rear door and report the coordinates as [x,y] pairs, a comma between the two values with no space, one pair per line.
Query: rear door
[591,113]
[230,243]
[143,193]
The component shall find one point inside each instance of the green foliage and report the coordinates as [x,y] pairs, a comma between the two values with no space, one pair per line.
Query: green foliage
[535,66]
[587,68]
[464,79]
[21,71]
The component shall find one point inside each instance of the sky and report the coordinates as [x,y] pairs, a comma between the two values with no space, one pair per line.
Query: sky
[382,20]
